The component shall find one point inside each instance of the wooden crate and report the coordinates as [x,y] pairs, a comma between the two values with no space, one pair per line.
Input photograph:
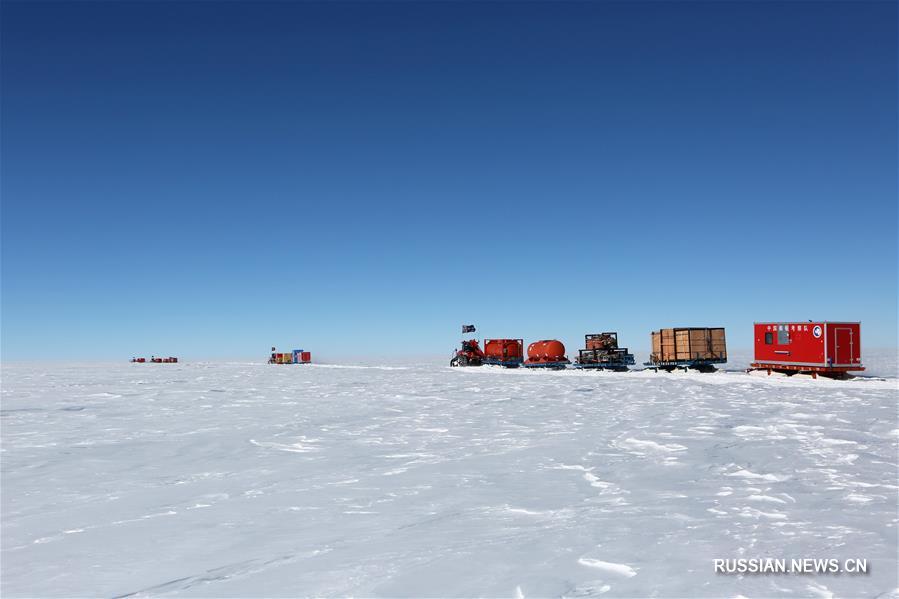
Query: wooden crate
[719,343]
[695,343]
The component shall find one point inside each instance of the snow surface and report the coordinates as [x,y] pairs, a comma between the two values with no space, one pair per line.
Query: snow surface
[245,479]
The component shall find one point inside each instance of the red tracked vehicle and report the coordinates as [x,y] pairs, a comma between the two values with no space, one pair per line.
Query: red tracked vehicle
[831,349]
[470,354]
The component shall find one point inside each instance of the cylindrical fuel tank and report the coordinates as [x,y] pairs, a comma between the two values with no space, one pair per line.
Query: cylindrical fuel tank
[503,349]
[547,350]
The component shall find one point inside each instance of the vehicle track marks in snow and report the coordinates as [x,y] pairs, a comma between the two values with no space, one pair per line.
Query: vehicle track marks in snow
[221,574]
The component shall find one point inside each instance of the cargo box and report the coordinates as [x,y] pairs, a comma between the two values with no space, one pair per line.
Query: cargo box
[688,345]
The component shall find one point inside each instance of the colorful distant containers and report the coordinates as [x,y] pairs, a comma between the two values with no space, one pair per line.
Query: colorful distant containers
[830,348]
[297,356]
[155,360]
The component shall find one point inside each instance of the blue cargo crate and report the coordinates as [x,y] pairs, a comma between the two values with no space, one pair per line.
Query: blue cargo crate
[296,356]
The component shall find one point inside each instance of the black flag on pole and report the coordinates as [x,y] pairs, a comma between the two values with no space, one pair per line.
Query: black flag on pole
[467,328]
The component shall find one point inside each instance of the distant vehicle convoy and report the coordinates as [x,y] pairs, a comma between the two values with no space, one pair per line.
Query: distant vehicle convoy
[297,356]
[155,360]
[826,348]
[602,352]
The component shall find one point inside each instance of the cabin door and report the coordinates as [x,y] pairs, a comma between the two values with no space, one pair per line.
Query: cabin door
[842,346]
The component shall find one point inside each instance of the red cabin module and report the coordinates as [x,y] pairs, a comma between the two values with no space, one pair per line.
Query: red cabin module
[816,347]
[503,348]
[305,357]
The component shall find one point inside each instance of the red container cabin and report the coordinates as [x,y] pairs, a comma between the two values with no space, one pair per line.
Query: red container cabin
[816,347]
[503,352]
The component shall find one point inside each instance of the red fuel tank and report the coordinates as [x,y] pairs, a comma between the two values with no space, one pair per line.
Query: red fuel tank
[547,350]
[503,349]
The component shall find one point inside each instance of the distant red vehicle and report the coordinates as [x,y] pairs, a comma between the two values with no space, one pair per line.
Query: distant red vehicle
[155,360]
[828,348]
[470,354]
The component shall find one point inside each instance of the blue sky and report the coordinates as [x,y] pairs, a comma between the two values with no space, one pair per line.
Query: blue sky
[205,179]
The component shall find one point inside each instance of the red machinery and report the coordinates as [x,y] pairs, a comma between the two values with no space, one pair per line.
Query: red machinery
[548,353]
[504,352]
[602,352]
[155,360]
[827,348]
[469,355]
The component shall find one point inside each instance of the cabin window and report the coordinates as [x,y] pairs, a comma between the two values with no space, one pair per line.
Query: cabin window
[769,338]
[783,337]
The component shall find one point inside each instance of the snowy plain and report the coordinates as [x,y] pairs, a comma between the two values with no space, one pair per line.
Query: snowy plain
[242,479]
